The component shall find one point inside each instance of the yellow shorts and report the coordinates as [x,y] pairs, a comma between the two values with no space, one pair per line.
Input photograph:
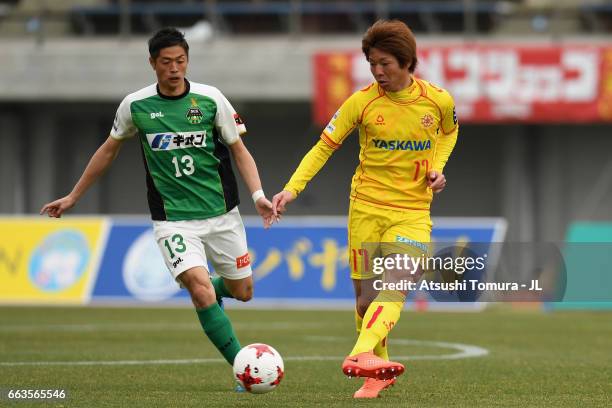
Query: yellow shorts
[374,231]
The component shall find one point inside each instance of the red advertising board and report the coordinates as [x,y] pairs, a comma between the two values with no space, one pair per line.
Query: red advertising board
[490,83]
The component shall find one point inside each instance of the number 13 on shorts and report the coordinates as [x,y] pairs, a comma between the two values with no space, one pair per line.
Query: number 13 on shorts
[176,243]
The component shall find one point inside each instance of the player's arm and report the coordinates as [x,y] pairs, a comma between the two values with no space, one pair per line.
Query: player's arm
[231,127]
[310,165]
[248,170]
[246,165]
[338,128]
[449,130]
[97,166]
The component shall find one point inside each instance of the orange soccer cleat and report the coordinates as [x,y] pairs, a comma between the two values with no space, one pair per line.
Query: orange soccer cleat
[372,387]
[368,364]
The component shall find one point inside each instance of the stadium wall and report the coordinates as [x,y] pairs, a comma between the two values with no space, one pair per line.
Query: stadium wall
[538,177]
[57,101]
[254,68]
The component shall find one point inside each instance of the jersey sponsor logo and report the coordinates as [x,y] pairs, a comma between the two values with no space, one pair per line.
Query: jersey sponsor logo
[155,115]
[178,261]
[427,120]
[238,119]
[194,114]
[179,140]
[420,245]
[414,145]
[243,261]
[380,120]
[330,126]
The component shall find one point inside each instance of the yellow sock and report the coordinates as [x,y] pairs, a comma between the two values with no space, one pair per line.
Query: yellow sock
[381,347]
[379,319]
[358,322]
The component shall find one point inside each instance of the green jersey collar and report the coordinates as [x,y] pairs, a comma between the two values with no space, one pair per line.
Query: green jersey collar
[161,95]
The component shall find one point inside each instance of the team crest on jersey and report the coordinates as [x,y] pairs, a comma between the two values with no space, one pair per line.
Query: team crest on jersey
[427,120]
[194,114]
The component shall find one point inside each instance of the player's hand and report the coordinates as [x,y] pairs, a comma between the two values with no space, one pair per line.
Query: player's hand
[265,210]
[436,181]
[58,207]
[279,202]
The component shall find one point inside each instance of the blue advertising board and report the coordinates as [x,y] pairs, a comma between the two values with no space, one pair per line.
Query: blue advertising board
[299,260]
[132,267]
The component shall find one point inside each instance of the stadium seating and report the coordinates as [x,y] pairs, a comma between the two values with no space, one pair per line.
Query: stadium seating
[310,17]
[283,16]
[98,17]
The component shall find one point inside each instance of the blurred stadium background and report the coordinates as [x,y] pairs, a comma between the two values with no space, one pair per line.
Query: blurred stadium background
[67,65]
[532,80]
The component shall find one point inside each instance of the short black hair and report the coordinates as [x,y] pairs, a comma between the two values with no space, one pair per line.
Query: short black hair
[164,38]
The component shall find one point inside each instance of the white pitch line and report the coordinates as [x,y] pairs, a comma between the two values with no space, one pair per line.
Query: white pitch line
[93,327]
[110,363]
[464,351]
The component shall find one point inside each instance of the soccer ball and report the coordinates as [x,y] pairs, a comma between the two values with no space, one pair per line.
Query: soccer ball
[258,368]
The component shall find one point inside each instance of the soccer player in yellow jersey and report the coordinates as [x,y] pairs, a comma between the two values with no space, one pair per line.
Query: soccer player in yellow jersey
[407,130]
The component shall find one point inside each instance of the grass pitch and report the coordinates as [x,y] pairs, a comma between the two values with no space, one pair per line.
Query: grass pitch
[111,357]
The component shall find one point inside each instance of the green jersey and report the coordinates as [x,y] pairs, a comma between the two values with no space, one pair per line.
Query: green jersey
[184,143]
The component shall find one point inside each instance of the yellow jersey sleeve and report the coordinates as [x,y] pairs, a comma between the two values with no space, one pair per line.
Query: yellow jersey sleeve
[337,130]
[343,122]
[309,167]
[449,129]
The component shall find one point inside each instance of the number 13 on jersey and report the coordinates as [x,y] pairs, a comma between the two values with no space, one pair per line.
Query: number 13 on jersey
[185,167]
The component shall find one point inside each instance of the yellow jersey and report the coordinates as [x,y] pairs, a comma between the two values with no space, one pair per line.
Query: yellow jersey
[402,136]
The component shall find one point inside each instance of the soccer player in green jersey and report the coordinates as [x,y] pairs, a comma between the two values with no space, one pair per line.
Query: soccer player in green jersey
[187,131]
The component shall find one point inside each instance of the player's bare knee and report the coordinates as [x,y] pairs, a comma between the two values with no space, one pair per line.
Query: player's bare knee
[362,306]
[244,297]
[245,293]
[202,295]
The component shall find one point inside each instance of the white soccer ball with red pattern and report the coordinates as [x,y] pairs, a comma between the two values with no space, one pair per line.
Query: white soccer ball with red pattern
[258,368]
